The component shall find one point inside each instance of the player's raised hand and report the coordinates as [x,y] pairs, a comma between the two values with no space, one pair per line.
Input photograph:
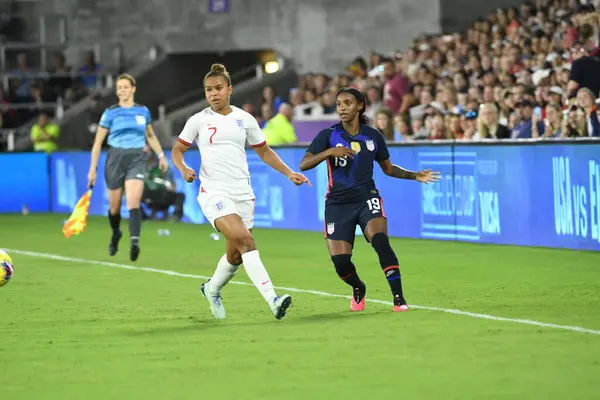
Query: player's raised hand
[425,176]
[299,179]
[341,151]
[189,175]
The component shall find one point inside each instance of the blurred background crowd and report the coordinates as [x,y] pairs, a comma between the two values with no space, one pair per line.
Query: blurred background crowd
[526,72]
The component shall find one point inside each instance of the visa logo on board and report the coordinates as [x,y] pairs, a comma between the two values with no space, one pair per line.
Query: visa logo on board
[572,215]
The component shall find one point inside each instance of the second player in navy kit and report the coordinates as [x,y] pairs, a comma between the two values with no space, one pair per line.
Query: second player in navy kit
[350,149]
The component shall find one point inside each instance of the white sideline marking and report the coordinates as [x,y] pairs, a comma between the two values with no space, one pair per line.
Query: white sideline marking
[315,292]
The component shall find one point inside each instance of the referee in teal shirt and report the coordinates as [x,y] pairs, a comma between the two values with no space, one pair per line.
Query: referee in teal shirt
[128,127]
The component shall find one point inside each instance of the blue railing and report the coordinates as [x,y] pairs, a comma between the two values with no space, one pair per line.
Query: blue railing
[544,194]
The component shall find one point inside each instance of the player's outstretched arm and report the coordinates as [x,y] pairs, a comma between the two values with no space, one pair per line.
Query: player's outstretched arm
[423,176]
[271,158]
[188,174]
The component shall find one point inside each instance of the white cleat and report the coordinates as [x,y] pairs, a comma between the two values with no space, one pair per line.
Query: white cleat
[280,305]
[214,301]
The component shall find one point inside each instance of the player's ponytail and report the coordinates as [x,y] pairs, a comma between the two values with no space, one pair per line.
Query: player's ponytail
[362,118]
[218,70]
[361,99]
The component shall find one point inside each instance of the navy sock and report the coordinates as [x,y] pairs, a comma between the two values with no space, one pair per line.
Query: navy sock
[346,270]
[388,263]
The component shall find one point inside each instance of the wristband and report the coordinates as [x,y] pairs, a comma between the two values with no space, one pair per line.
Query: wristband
[161,155]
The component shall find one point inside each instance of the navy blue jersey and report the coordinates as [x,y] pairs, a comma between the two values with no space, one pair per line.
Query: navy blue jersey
[351,179]
[126,126]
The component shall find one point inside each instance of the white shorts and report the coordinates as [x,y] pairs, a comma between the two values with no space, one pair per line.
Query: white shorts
[216,205]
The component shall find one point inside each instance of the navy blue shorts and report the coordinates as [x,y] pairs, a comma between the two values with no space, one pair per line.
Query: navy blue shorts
[341,218]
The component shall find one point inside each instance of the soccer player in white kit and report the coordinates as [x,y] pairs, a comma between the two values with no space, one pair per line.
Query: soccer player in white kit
[226,197]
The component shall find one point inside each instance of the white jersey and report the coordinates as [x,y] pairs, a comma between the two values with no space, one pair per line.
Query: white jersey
[222,140]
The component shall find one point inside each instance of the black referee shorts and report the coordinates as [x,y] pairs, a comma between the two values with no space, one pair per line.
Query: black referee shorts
[124,164]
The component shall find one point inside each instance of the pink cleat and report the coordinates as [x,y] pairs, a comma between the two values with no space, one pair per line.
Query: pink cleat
[358,294]
[400,304]
[360,306]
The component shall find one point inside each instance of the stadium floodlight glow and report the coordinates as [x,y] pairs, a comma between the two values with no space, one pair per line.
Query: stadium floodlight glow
[271,67]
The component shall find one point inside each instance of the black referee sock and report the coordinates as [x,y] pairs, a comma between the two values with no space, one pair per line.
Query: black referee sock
[135,225]
[115,221]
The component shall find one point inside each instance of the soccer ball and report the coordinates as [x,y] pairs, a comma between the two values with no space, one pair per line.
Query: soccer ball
[6,268]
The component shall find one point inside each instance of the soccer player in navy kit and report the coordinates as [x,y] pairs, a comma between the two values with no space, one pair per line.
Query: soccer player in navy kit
[350,148]
[127,125]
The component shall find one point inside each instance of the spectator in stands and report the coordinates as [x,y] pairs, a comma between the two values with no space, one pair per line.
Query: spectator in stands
[519,56]
[61,83]
[552,123]
[584,72]
[555,95]
[417,125]
[438,128]
[22,85]
[425,99]
[574,125]
[523,129]
[90,70]
[383,122]
[328,103]
[358,69]
[488,126]
[586,101]
[468,123]
[266,113]
[395,86]
[45,134]
[374,102]
[39,97]
[449,100]
[279,130]
[454,127]
[269,97]
[402,129]
[296,101]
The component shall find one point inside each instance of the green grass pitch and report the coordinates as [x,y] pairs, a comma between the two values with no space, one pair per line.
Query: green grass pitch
[77,327]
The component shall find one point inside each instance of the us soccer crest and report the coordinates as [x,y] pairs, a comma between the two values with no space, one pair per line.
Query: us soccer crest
[370,145]
[355,146]
[330,228]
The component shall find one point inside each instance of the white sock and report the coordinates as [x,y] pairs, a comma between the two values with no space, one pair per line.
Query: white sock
[258,275]
[223,274]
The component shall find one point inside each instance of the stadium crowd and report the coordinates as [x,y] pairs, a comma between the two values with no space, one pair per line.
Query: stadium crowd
[30,89]
[527,72]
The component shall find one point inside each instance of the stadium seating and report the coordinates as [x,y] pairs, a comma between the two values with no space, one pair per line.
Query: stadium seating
[37,75]
[511,64]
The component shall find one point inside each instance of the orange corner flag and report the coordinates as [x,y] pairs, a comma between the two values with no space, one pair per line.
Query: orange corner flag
[78,219]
